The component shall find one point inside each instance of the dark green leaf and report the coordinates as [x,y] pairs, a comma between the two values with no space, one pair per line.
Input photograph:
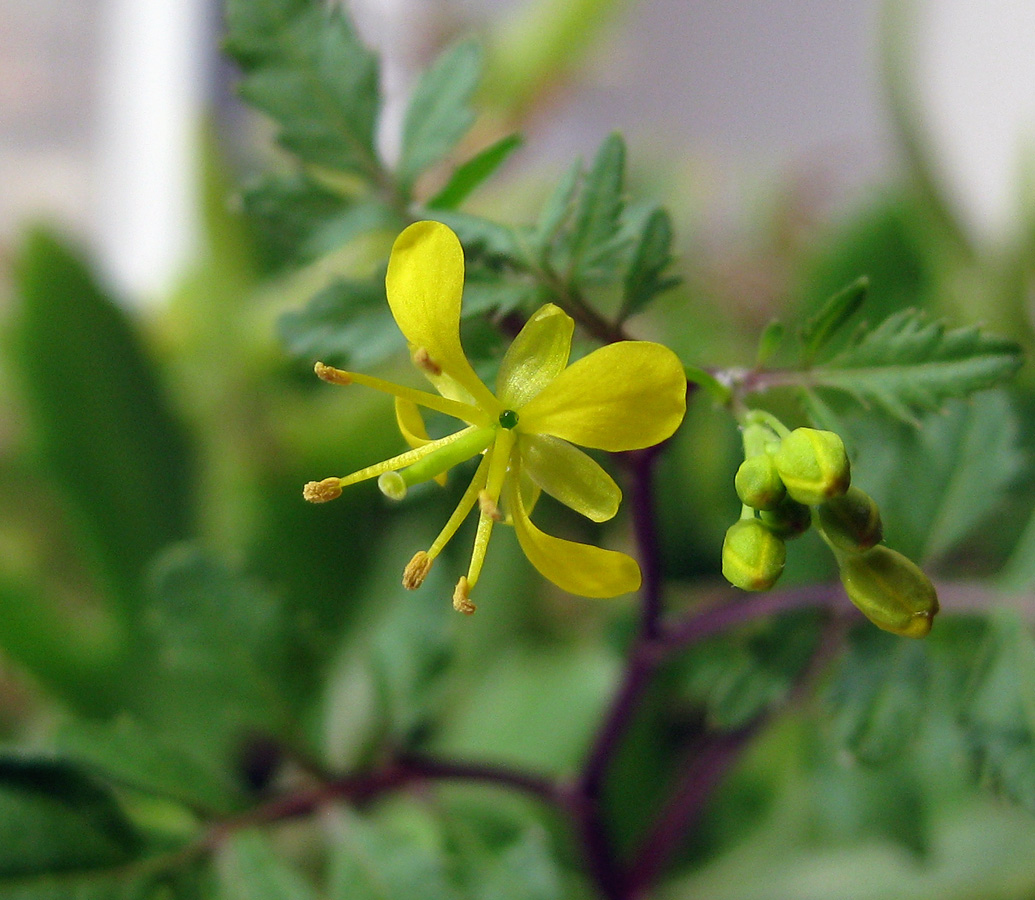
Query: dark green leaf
[829,319]
[306,68]
[998,715]
[652,256]
[474,172]
[909,364]
[54,818]
[439,112]
[249,869]
[106,433]
[346,324]
[880,695]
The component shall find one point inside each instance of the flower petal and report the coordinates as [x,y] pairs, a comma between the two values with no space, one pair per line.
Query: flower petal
[569,475]
[577,568]
[424,283]
[621,397]
[537,356]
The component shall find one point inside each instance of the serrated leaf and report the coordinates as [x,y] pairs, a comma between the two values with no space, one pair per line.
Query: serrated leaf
[439,113]
[596,225]
[104,428]
[55,818]
[832,316]
[346,324]
[909,364]
[474,172]
[249,869]
[306,68]
[937,483]
[999,712]
[879,695]
[645,278]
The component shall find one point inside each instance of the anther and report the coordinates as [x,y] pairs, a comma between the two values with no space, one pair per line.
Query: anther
[461,597]
[417,570]
[423,361]
[331,374]
[488,506]
[322,491]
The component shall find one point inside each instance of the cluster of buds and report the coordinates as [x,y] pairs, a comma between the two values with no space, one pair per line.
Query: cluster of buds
[790,480]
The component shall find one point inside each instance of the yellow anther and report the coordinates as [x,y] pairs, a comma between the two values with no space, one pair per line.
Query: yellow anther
[331,374]
[417,570]
[487,506]
[322,491]
[423,361]
[461,597]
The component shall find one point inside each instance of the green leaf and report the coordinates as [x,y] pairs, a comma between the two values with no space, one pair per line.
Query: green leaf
[769,342]
[106,433]
[439,112]
[999,713]
[483,239]
[719,392]
[525,870]
[645,278]
[474,172]
[55,818]
[937,484]
[910,364]
[832,316]
[306,68]
[595,229]
[557,208]
[879,695]
[393,859]
[249,869]
[346,324]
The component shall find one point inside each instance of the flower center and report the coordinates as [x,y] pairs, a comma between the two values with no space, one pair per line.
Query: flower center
[508,418]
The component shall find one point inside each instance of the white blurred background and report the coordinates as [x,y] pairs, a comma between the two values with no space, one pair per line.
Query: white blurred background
[100,102]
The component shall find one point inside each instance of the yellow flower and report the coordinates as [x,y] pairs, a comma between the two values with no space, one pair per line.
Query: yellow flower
[623,396]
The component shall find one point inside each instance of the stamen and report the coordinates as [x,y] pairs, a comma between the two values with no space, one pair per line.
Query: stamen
[487,506]
[417,570]
[332,375]
[322,491]
[500,460]
[462,597]
[423,361]
[464,507]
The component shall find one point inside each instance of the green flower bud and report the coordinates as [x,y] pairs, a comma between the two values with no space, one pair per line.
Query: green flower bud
[852,521]
[890,590]
[813,465]
[758,483]
[752,556]
[789,520]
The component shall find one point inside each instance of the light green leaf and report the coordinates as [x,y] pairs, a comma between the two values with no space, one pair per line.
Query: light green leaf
[347,324]
[999,712]
[525,870]
[769,342]
[910,364]
[439,112]
[474,172]
[938,483]
[832,316]
[557,208]
[106,434]
[249,869]
[879,695]
[645,278]
[400,858]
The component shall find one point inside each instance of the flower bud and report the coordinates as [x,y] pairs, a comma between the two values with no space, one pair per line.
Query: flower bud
[789,520]
[852,521]
[890,590]
[752,556]
[813,465]
[758,483]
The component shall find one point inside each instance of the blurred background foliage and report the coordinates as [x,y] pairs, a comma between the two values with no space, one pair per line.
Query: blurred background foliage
[182,638]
